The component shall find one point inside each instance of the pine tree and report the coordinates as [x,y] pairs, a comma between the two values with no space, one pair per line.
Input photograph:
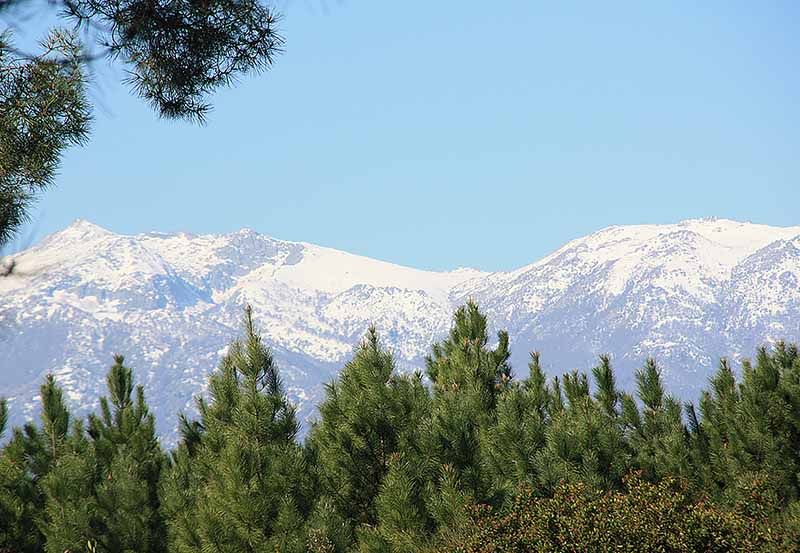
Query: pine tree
[176,55]
[768,420]
[659,439]
[468,378]
[752,431]
[69,521]
[584,440]
[36,466]
[368,415]
[55,419]
[716,464]
[328,530]
[43,111]
[607,394]
[510,446]
[404,521]
[179,486]
[428,487]
[103,491]
[465,362]
[130,460]
[701,474]
[20,500]
[253,489]
[64,474]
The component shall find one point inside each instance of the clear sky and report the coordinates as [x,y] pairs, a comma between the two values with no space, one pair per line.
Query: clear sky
[447,134]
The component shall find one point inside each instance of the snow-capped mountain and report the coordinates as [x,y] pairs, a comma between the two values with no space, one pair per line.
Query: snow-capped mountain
[686,294]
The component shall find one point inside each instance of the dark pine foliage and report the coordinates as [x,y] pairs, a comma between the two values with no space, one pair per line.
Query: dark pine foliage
[176,54]
[468,459]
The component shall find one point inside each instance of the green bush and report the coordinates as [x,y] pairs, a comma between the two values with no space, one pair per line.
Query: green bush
[644,517]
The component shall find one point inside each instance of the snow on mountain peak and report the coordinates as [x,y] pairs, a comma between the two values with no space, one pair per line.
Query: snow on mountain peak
[685,293]
[83,225]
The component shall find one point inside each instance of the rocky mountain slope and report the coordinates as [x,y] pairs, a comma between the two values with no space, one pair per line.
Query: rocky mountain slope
[685,293]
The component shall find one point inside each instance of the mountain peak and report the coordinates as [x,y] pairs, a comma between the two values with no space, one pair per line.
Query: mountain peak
[81,223]
[85,226]
[709,219]
[77,234]
[247,232]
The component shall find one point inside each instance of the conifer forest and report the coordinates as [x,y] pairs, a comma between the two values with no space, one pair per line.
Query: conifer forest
[465,455]
[591,177]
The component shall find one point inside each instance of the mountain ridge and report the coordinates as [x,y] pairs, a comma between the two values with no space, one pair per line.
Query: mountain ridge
[684,293]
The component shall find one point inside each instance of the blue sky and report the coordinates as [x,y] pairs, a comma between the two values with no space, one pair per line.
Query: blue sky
[447,134]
